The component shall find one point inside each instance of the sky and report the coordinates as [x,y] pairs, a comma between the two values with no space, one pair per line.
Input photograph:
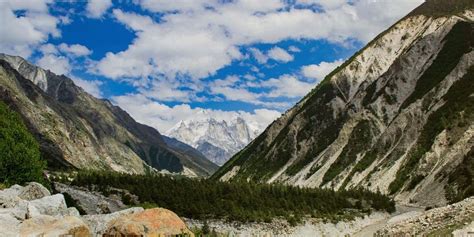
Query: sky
[168,60]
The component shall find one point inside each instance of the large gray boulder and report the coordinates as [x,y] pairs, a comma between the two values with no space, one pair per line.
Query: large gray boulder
[9,197]
[33,191]
[54,205]
[98,224]
[91,202]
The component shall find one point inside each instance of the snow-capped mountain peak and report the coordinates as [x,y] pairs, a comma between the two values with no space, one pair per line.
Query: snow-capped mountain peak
[218,139]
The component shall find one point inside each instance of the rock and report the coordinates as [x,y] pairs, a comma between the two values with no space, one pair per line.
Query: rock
[103,207]
[9,225]
[33,191]
[71,211]
[98,224]
[89,201]
[9,197]
[54,205]
[53,226]
[151,222]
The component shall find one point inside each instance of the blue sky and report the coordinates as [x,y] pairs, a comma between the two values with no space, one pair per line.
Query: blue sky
[165,60]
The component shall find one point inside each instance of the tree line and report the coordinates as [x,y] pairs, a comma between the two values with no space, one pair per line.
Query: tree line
[236,201]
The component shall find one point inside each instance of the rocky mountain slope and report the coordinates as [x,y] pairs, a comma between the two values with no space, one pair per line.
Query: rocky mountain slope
[76,130]
[218,140]
[397,117]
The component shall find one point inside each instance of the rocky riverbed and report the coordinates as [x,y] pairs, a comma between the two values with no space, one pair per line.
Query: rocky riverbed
[32,211]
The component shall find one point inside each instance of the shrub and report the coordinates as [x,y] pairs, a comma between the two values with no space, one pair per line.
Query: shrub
[20,160]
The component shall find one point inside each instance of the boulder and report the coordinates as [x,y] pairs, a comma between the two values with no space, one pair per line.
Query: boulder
[98,224]
[9,225]
[9,197]
[151,222]
[89,201]
[54,205]
[54,226]
[33,191]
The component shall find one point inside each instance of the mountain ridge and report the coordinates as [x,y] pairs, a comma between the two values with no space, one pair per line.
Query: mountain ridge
[77,130]
[352,129]
[216,139]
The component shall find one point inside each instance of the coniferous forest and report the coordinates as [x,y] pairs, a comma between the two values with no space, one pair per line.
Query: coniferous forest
[237,201]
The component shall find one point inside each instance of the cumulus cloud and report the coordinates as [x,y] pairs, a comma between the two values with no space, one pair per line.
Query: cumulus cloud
[92,87]
[75,49]
[319,71]
[97,8]
[279,54]
[197,38]
[163,117]
[21,34]
[57,64]
[287,86]
[294,49]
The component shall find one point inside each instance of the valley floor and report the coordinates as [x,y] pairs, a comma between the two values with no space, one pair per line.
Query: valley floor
[452,220]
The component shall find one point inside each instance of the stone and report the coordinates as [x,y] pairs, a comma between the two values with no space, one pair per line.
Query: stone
[9,225]
[54,226]
[33,191]
[99,223]
[9,197]
[54,205]
[91,202]
[151,222]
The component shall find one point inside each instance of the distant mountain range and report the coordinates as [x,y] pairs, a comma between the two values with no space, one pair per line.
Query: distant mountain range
[218,140]
[397,117]
[76,130]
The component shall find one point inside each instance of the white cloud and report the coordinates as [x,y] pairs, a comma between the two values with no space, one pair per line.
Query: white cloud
[163,117]
[75,49]
[259,56]
[294,49]
[279,54]
[164,90]
[91,87]
[200,37]
[319,71]
[20,35]
[287,86]
[326,4]
[57,64]
[97,8]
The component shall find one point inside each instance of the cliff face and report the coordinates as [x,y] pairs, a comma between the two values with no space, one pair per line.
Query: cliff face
[396,117]
[77,130]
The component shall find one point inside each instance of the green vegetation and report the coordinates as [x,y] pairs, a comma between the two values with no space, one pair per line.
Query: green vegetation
[20,160]
[317,113]
[456,114]
[437,8]
[236,201]
[359,140]
[461,180]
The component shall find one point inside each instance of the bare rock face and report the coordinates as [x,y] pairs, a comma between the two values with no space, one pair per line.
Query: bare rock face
[76,130]
[396,117]
[151,222]
[54,226]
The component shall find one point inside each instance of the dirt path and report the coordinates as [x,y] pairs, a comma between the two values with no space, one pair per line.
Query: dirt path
[403,212]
